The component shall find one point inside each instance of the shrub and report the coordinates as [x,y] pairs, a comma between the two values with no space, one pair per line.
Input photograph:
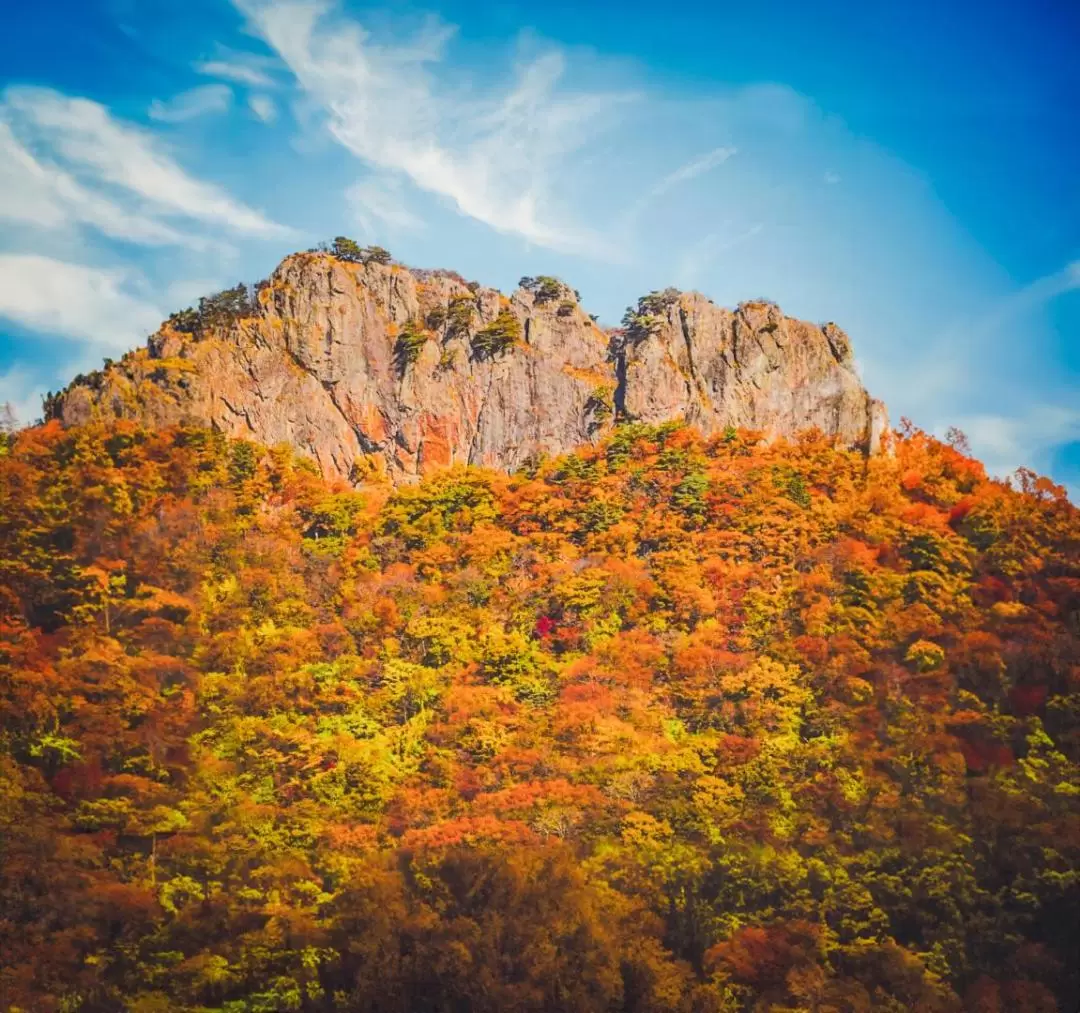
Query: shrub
[600,405]
[498,335]
[185,321]
[410,344]
[218,310]
[459,315]
[759,301]
[376,255]
[925,655]
[689,495]
[793,485]
[650,313]
[658,302]
[347,249]
[544,287]
[352,252]
[548,288]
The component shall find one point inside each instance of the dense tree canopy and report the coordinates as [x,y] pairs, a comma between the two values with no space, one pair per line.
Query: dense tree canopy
[670,724]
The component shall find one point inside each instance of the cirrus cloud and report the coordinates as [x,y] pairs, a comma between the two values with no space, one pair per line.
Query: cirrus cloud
[99,307]
[491,155]
[195,102]
[105,152]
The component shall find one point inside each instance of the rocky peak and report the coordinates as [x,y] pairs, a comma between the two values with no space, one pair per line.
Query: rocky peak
[373,369]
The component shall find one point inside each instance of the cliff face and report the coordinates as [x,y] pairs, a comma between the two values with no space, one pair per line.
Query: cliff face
[378,370]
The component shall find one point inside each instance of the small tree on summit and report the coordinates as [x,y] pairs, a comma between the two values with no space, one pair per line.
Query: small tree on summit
[347,249]
[350,251]
[376,255]
[218,310]
[544,287]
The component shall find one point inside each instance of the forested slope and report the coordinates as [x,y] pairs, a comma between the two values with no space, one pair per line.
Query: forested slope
[667,724]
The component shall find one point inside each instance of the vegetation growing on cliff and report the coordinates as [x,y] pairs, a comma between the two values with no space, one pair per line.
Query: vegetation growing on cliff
[215,311]
[640,321]
[498,336]
[350,251]
[410,343]
[670,724]
[459,315]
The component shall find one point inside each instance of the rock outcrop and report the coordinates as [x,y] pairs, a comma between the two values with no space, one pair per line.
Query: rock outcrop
[378,370]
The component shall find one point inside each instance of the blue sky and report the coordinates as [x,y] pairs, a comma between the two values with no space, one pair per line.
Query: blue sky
[909,171]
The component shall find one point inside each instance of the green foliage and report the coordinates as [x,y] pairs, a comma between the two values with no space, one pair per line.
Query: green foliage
[352,252]
[332,522]
[793,485]
[459,315]
[377,255]
[498,336]
[410,343]
[545,288]
[511,660]
[216,311]
[456,500]
[186,321]
[650,313]
[243,460]
[599,515]
[689,495]
[347,249]
[601,405]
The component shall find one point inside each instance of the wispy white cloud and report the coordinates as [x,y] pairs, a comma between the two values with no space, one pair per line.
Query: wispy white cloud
[831,178]
[696,167]
[693,263]
[98,307]
[239,69]
[45,196]
[1035,294]
[1005,443]
[496,157]
[378,201]
[264,108]
[97,147]
[964,350]
[200,101]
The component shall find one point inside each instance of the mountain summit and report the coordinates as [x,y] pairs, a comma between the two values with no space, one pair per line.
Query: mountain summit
[375,369]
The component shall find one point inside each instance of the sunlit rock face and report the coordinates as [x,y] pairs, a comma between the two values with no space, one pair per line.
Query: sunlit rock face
[377,370]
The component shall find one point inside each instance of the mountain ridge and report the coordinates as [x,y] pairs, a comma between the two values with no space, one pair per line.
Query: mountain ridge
[376,370]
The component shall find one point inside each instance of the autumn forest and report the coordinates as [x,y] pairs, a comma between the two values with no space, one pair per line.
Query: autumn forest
[668,725]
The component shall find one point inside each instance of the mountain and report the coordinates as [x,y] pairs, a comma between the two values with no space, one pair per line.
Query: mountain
[374,369]
[673,723]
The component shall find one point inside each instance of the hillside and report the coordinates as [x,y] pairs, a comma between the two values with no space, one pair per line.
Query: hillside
[672,723]
[372,369]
